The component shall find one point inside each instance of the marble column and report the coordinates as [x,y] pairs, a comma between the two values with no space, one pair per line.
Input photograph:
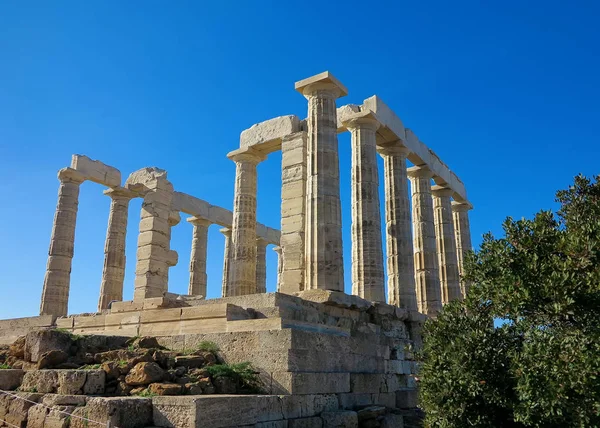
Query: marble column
[279,266]
[242,264]
[113,273]
[429,298]
[462,233]
[173,256]
[226,256]
[399,240]
[198,278]
[55,296]
[367,251]
[323,247]
[446,244]
[261,265]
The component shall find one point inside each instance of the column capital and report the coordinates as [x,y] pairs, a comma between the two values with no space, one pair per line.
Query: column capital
[393,148]
[199,221]
[120,193]
[441,191]
[421,171]
[226,231]
[458,207]
[277,249]
[324,81]
[364,119]
[249,155]
[69,175]
[174,218]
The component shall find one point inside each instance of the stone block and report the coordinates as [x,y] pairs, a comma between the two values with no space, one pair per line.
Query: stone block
[17,409]
[407,398]
[70,382]
[310,383]
[96,171]
[270,131]
[314,422]
[11,379]
[364,382]
[272,424]
[190,205]
[351,401]
[342,419]
[40,381]
[130,412]
[41,341]
[129,306]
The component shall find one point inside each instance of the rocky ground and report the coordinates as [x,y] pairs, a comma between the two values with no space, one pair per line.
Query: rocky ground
[131,366]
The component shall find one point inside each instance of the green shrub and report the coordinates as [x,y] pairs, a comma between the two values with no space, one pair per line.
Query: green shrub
[244,375]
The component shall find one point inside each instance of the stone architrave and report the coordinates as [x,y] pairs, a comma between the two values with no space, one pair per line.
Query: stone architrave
[462,233]
[367,252]
[446,244]
[261,265]
[399,240]
[242,263]
[154,256]
[113,274]
[55,295]
[226,257]
[323,244]
[198,278]
[429,299]
[293,212]
[279,266]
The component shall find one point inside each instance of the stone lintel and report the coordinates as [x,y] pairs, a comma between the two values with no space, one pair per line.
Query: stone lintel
[266,136]
[96,171]
[121,192]
[441,191]
[324,80]
[361,118]
[71,175]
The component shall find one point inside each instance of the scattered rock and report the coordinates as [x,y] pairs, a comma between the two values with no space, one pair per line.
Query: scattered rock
[165,388]
[111,368]
[138,390]
[41,341]
[371,412]
[145,373]
[147,342]
[17,349]
[206,385]
[225,385]
[193,388]
[190,361]
[52,359]
[70,382]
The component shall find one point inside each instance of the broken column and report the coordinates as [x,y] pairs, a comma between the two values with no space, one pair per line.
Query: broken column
[154,256]
[462,233]
[261,265]
[113,273]
[399,240]
[293,211]
[427,279]
[55,296]
[323,244]
[446,244]
[226,256]
[198,277]
[242,263]
[367,251]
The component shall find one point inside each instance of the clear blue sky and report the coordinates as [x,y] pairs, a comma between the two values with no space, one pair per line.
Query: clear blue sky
[506,93]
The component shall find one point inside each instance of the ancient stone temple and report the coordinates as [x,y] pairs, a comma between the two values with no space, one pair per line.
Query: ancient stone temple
[322,354]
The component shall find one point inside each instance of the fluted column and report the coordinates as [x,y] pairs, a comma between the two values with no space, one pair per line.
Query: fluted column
[429,299]
[226,256]
[261,265]
[242,264]
[198,277]
[323,248]
[367,251]
[55,295]
[113,274]
[399,239]
[446,244]
[462,233]
[279,266]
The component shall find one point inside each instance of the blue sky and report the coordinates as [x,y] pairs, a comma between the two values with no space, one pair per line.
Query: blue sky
[506,93]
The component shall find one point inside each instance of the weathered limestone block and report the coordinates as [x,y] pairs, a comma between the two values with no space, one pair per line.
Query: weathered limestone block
[15,410]
[310,383]
[41,381]
[130,412]
[427,279]
[198,278]
[154,255]
[267,135]
[96,171]
[446,244]
[55,295]
[113,274]
[323,245]
[462,231]
[342,419]
[242,269]
[11,379]
[41,341]
[367,251]
[314,422]
[261,265]
[399,239]
[304,406]
[293,211]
